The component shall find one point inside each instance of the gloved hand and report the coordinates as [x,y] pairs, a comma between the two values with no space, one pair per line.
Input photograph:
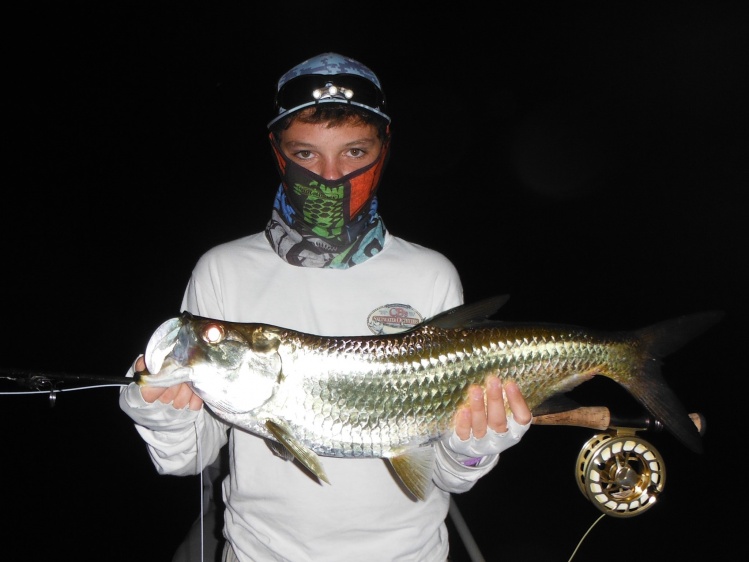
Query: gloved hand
[492,443]
[483,428]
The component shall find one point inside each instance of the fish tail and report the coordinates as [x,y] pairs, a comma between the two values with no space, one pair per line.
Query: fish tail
[668,336]
[649,386]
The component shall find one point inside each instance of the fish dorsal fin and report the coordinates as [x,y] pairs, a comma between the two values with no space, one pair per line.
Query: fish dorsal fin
[468,314]
[415,468]
[303,454]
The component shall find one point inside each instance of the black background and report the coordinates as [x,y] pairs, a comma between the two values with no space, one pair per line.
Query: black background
[590,161]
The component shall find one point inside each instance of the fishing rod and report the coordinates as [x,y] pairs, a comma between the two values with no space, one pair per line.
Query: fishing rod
[40,382]
[600,417]
[617,470]
[592,417]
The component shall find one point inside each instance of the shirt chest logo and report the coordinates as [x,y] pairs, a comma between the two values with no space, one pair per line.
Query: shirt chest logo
[393,318]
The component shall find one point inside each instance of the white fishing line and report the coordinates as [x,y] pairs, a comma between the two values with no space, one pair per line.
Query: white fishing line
[200,484]
[585,535]
[52,393]
[63,389]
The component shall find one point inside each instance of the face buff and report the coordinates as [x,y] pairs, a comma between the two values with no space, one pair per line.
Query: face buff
[321,223]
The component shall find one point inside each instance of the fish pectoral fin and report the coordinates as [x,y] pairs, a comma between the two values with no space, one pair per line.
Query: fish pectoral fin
[279,450]
[415,468]
[303,454]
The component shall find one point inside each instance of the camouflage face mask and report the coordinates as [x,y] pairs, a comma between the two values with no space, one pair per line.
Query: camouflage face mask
[329,209]
[319,223]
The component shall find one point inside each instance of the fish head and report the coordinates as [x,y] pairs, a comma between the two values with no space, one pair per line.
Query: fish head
[235,368]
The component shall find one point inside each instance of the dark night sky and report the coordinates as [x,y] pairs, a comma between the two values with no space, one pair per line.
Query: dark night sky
[590,161]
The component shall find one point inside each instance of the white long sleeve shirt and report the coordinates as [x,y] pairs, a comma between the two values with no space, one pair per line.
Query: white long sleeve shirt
[274,509]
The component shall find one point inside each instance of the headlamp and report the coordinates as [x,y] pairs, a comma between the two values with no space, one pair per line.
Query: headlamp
[310,89]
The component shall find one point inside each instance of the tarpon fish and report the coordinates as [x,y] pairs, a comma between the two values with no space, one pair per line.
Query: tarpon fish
[393,396]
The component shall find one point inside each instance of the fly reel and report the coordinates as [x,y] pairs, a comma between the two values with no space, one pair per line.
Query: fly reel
[621,474]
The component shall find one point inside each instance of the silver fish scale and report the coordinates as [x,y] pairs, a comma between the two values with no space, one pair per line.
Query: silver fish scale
[363,397]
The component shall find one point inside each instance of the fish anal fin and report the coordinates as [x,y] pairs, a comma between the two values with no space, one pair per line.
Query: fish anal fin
[558,401]
[415,468]
[555,404]
[303,454]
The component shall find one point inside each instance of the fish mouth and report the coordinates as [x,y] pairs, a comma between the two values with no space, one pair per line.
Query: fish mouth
[170,377]
[162,368]
[161,344]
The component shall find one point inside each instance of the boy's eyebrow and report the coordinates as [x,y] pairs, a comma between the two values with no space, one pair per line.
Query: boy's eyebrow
[356,142]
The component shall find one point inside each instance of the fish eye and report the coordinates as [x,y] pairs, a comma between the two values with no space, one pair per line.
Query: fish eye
[213,333]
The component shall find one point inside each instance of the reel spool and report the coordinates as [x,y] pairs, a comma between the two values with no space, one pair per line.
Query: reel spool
[621,474]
